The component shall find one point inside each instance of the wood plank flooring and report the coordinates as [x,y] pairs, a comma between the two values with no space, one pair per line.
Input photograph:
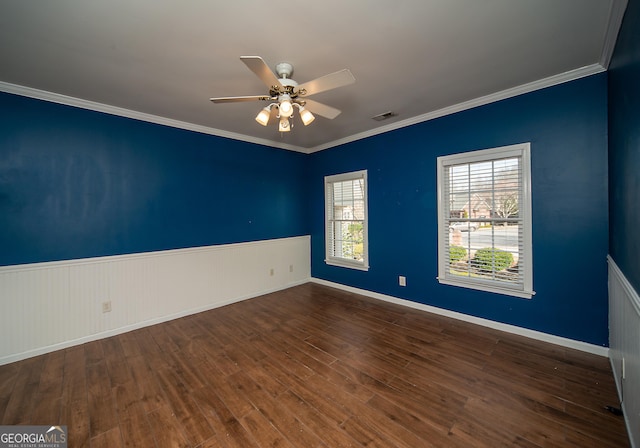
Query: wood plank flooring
[312,366]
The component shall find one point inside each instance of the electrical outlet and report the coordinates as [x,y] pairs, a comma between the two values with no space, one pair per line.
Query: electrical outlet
[402,280]
[106,306]
[290,268]
[271,272]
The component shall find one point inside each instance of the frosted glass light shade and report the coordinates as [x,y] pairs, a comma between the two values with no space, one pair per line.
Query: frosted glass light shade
[306,116]
[284,125]
[286,108]
[263,116]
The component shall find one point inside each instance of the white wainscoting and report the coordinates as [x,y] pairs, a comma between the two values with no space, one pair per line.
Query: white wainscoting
[624,346]
[49,306]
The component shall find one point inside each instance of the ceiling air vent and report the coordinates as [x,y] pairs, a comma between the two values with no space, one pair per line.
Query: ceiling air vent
[384,116]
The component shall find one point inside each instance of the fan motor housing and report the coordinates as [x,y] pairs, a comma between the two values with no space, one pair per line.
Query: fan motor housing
[284,70]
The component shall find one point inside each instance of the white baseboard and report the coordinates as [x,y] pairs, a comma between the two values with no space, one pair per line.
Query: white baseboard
[537,335]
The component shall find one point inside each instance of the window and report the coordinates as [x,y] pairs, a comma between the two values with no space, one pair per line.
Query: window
[346,220]
[484,220]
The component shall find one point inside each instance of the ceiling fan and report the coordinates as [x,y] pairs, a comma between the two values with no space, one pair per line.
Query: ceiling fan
[285,93]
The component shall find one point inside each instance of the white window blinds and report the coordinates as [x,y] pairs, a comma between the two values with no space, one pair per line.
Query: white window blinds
[484,224]
[346,220]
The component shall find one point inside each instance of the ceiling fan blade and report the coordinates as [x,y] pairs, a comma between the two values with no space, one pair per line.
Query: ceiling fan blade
[240,99]
[326,82]
[257,65]
[322,109]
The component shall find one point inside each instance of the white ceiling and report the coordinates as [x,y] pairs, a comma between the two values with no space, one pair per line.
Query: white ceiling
[161,60]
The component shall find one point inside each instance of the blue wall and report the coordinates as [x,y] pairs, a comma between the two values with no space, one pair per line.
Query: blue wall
[624,147]
[75,184]
[567,128]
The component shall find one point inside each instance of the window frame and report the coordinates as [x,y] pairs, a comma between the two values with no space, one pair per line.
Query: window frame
[523,152]
[330,258]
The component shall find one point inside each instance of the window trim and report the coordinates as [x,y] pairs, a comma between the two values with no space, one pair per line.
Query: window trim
[522,150]
[339,261]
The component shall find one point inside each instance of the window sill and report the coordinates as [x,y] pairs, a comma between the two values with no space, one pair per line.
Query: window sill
[343,263]
[488,288]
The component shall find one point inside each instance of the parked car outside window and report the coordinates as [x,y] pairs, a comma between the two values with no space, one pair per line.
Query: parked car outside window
[464,226]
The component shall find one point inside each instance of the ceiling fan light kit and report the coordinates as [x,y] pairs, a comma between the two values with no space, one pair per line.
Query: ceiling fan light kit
[285,94]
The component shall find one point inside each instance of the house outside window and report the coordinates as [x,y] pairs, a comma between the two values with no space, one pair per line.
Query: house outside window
[484,220]
[346,220]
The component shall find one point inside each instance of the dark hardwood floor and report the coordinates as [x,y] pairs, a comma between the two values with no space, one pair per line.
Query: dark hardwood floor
[313,366]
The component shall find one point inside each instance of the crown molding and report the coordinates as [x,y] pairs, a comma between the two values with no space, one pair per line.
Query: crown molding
[127,113]
[119,111]
[616,14]
[509,93]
